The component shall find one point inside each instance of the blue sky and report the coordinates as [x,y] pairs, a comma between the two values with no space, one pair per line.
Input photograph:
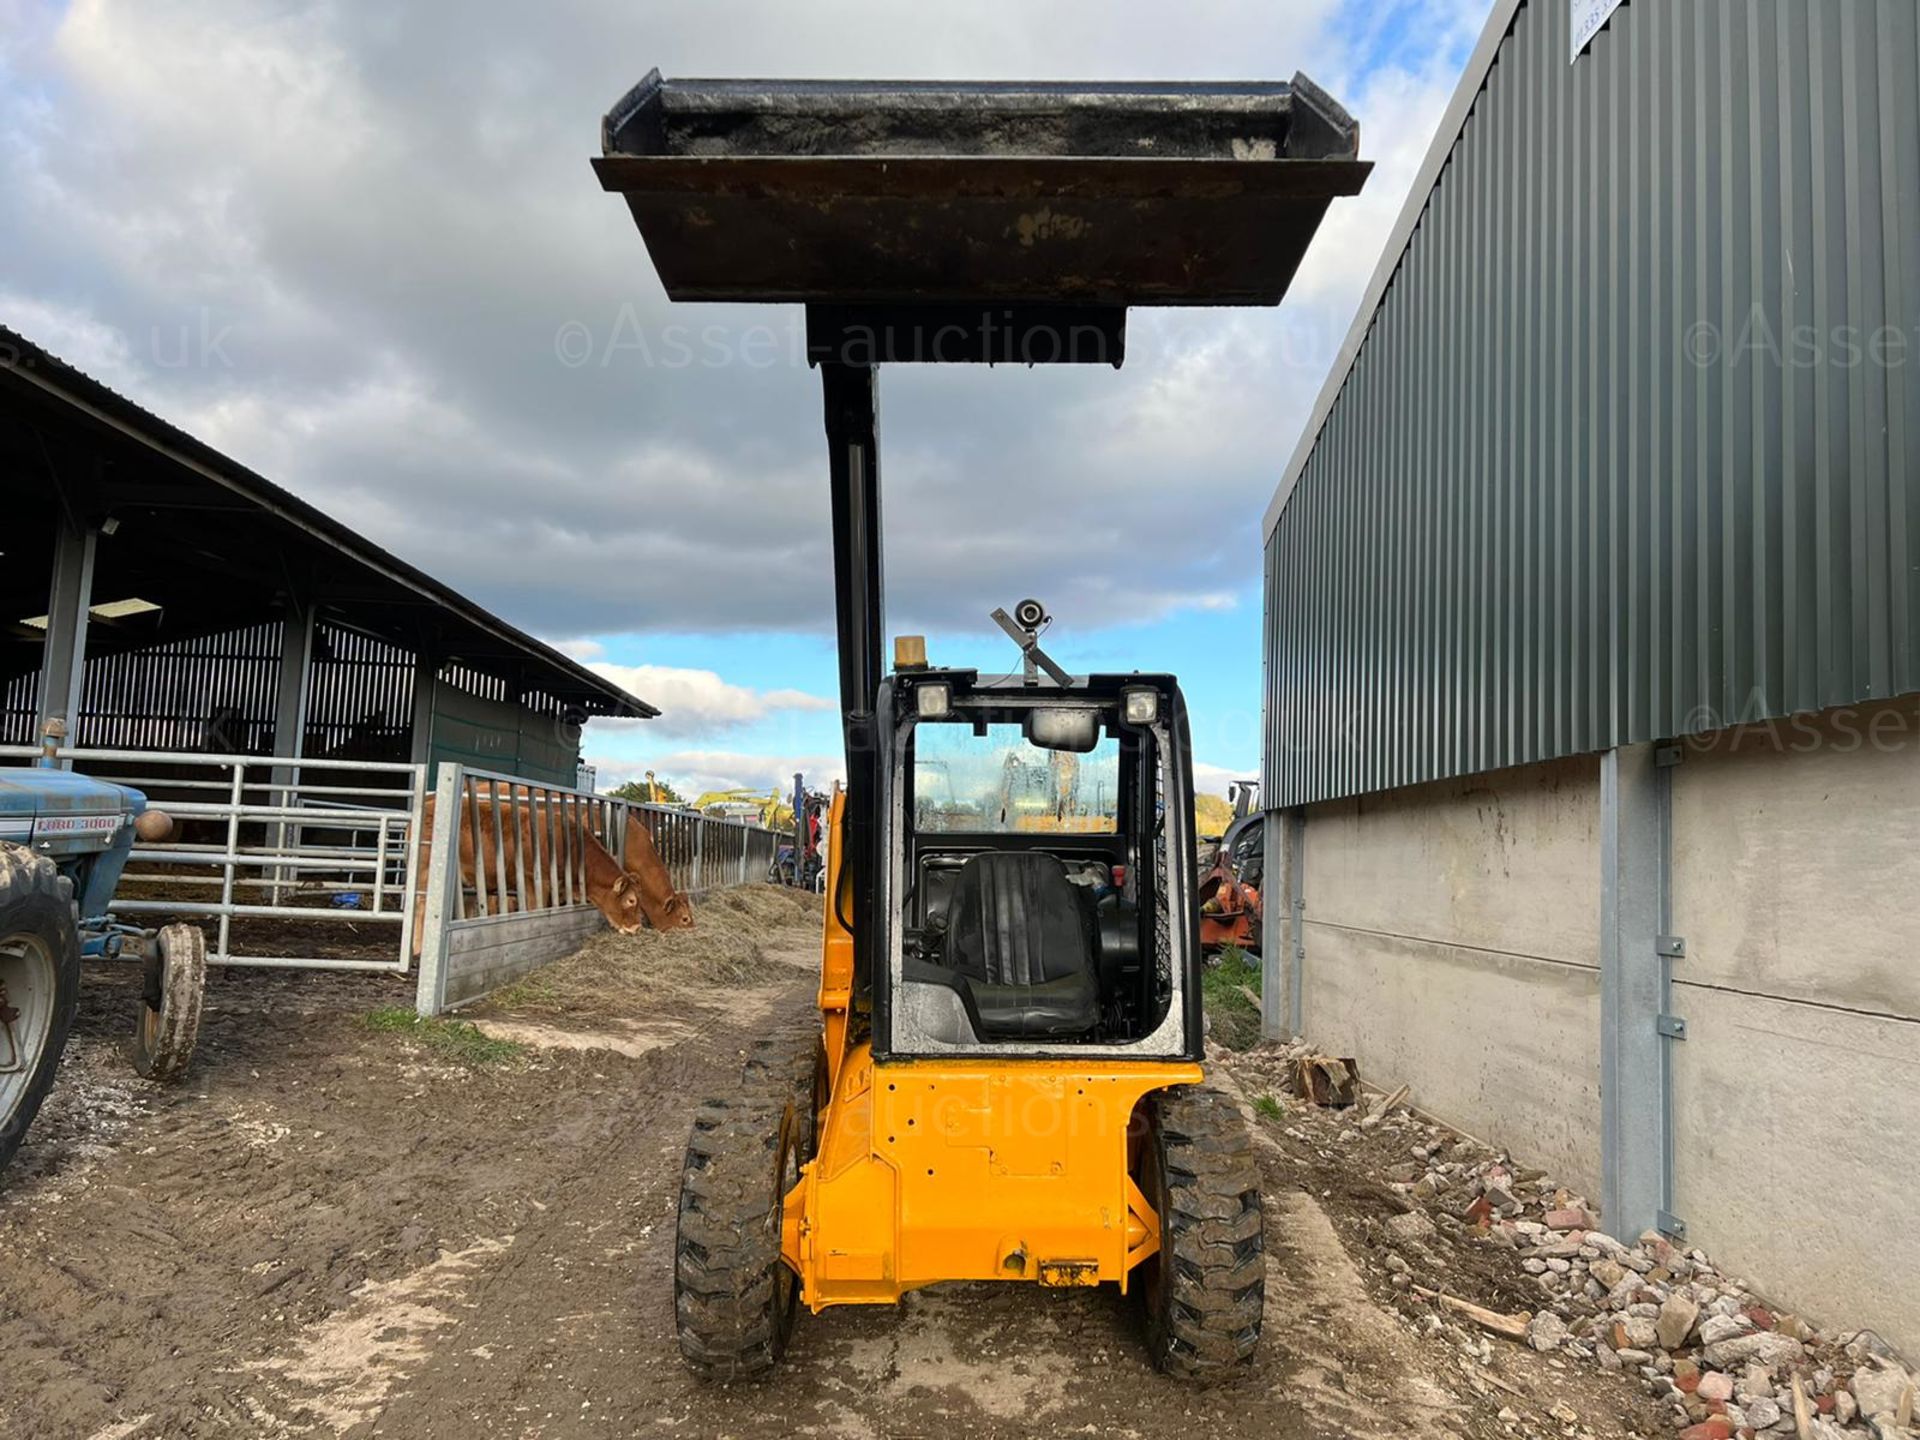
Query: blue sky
[1215,653]
[392,328]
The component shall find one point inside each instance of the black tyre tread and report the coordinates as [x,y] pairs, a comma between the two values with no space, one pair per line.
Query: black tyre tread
[179,1016]
[35,895]
[781,1067]
[1205,1325]
[727,1269]
[23,873]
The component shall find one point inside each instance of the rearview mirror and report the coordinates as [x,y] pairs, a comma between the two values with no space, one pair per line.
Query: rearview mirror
[1062,728]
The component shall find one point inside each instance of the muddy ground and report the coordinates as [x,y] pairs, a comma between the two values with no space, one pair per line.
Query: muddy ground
[334,1228]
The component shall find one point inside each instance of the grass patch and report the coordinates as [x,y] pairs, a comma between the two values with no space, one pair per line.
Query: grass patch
[454,1040]
[1230,989]
[1267,1108]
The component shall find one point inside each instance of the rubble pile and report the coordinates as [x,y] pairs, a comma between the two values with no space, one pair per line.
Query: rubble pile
[1723,1363]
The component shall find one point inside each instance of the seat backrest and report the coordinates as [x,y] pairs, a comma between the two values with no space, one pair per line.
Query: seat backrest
[1016,919]
[938,874]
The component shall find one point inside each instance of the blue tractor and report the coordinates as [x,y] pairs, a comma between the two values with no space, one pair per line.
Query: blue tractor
[64,841]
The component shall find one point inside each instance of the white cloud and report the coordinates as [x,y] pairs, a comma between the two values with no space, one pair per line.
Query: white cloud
[76,337]
[386,305]
[1400,110]
[696,772]
[1214,779]
[699,702]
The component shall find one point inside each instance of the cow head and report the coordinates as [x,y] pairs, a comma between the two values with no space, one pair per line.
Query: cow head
[626,914]
[677,913]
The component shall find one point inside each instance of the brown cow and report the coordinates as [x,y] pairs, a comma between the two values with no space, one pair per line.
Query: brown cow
[665,907]
[616,894]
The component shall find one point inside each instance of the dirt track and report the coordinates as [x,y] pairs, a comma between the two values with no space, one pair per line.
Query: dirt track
[330,1230]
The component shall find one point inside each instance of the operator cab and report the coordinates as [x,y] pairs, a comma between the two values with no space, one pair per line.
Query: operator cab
[1037,860]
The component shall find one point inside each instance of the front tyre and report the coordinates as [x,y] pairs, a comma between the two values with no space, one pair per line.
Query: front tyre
[734,1298]
[168,1022]
[39,985]
[1203,1290]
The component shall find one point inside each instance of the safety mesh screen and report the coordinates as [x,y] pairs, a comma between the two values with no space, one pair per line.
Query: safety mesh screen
[1162,919]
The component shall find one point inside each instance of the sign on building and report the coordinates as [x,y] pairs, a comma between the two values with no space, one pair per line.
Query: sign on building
[1589,17]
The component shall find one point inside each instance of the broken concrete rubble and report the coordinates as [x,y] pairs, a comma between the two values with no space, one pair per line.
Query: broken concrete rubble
[1716,1328]
[1882,1389]
[1773,1351]
[1413,1227]
[1715,1386]
[1547,1331]
[1725,1365]
[1677,1316]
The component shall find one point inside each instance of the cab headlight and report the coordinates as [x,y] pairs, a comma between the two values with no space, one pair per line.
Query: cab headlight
[1140,707]
[933,702]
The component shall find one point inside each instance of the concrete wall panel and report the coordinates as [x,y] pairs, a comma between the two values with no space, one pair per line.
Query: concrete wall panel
[1797,860]
[1497,1045]
[1452,944]
[1507,862]
[1797,1139]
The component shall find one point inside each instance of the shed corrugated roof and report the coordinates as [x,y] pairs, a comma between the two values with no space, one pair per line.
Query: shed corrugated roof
[32,372]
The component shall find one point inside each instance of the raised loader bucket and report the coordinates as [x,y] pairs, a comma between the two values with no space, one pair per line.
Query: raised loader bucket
[885,193]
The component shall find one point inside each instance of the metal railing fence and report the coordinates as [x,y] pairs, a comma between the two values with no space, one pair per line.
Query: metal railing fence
[516,893]
[256,835]
[338,843]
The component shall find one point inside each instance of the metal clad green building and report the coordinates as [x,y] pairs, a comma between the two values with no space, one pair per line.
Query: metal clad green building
[1593,635]
[1626,442]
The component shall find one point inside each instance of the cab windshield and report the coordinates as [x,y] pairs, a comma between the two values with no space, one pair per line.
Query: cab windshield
[1000,783]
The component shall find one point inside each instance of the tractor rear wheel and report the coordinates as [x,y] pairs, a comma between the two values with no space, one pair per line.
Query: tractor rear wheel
[39,985]
[1204,1289]
[734,1299]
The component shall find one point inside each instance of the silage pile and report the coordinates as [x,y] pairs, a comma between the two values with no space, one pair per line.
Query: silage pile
[745,936]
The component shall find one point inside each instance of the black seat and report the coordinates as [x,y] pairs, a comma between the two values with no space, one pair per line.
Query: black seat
[1021,938]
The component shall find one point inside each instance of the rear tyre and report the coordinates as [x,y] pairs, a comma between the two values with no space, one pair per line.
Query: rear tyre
[39,985]
[1203,1290]
[734,1299]
[168,1023]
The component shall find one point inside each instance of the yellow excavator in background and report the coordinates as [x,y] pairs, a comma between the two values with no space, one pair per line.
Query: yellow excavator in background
[1043,799]
[772,810]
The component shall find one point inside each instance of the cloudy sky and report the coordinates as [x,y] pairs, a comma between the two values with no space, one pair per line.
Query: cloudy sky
[357,245]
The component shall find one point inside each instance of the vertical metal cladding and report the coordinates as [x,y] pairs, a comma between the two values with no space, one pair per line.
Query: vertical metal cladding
[1631,448]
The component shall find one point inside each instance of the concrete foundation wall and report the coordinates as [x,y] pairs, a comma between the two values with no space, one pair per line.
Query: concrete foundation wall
[1452,937]
[1796,865]
[1452,943]
[1796,882]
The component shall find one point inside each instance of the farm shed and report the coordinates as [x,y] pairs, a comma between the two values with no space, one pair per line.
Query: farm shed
[289,691]
[1593,634]
[160,596]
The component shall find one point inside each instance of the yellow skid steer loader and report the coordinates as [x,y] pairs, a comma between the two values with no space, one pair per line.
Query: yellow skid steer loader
[1005,1080]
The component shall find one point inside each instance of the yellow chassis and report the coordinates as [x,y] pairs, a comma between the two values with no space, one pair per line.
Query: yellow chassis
[964,1169]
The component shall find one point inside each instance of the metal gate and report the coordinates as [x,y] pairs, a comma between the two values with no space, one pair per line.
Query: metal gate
[323,846]
[333,847]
